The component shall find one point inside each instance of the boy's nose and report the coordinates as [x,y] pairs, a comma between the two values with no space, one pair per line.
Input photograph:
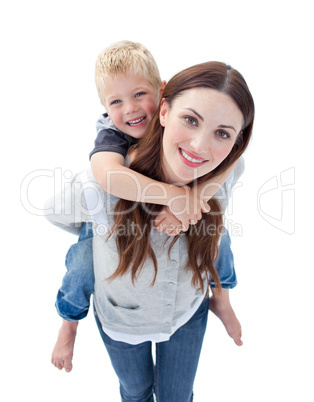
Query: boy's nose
[130,107]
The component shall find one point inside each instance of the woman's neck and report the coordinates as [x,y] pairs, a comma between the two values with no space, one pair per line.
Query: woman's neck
[168,178]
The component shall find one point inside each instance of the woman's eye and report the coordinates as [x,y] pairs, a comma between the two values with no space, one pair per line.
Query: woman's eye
[191,120]
[223,134]
[139,94]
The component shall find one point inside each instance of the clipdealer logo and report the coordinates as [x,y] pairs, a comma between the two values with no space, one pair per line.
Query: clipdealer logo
[275,198]
[276,201]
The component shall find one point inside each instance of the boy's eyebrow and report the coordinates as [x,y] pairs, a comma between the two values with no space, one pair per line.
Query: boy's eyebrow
[139,88]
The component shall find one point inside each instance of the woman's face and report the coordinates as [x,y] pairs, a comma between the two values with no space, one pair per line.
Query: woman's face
[201,128]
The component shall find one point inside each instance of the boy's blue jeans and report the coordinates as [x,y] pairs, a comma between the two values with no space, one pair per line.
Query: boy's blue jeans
[73,299]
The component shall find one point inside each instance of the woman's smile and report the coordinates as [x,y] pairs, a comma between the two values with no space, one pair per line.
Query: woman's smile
[190,159]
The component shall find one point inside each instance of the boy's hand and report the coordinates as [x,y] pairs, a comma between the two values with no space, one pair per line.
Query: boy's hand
[188,207]
[166,222]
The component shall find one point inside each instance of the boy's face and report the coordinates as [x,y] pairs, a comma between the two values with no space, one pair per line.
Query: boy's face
[131,102]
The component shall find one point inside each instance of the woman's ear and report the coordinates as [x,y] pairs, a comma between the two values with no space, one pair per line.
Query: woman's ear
[163,112]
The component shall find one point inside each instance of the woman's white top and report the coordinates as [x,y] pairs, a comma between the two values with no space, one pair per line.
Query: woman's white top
[128,312]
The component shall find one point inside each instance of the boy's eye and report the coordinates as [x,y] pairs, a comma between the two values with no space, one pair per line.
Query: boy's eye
[139,94]
[115,102]
[191,120]
[222,134]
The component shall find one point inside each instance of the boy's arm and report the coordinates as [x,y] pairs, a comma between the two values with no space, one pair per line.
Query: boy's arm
[167,222]
[210,187]
[122,182]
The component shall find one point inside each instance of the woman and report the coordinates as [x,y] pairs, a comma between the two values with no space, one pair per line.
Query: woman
[147,289]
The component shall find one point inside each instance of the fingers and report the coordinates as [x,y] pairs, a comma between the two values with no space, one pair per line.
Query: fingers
[205,207]
[158,221]
[166,222]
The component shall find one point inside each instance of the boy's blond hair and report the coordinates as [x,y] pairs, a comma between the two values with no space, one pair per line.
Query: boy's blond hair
[123,58]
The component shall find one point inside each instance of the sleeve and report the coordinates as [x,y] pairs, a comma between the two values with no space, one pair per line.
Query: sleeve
[67,210]
[224,194]
[109,138]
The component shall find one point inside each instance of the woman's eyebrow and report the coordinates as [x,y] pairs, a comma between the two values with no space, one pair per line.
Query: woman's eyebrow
[195,112]
[198,115]
[223,126]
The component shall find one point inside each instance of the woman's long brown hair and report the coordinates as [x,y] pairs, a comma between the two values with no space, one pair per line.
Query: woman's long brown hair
[202,238]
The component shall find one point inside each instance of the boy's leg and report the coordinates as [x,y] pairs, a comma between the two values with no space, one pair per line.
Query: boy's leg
[74,296]
[225,263]
[63,351]
[134,367]
[219,303]
[177,359]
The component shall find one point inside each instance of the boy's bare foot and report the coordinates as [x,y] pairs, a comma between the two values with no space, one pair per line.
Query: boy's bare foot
[63,351]
[227,316]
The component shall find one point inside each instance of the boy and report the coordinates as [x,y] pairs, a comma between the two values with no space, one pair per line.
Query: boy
[130,89]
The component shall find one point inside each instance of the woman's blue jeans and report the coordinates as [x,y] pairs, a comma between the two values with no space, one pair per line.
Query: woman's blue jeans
[172,377]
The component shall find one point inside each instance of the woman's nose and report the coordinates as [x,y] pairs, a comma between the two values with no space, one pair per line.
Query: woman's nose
[200,143]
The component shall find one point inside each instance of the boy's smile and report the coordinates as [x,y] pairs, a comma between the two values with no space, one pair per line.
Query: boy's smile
[131,102]
[137,122]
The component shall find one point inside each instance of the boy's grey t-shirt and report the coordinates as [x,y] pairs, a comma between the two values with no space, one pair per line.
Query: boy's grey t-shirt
[109,138]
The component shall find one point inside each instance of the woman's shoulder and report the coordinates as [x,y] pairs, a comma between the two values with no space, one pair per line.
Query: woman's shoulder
[239,169]
[90,194]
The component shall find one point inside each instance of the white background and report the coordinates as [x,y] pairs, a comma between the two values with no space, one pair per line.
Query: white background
[49,106]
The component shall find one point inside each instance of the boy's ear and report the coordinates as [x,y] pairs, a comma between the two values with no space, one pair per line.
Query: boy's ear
[105,106]
[163,112]
[162,87]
